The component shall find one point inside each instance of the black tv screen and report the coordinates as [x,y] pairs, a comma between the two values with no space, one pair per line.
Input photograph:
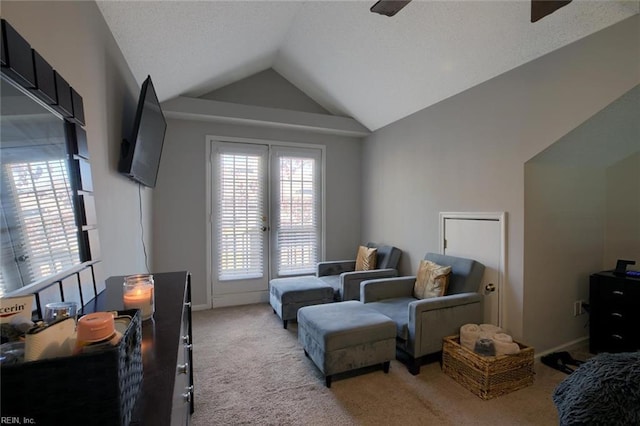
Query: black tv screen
[140,154]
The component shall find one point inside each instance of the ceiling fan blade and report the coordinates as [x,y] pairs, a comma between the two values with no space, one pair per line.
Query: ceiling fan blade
[542,8]
[388,7]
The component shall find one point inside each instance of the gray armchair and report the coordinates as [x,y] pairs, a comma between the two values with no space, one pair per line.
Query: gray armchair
[422,323]
[341,275]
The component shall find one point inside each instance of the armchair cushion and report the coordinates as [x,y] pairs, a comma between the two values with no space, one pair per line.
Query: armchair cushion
[396,309]
[366,258]
[334,282]
[432,280]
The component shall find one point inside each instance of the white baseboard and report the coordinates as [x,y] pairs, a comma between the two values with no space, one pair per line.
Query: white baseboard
[240,299]
[563,347]
[200,307]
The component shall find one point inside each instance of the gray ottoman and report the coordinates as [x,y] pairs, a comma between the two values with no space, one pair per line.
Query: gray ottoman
[344,336]
[287,295]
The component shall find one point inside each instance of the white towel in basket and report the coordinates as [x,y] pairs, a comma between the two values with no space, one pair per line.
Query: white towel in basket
[504,344]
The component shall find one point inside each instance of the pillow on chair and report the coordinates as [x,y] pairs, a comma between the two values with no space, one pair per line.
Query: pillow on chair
[432,280]
[366,258]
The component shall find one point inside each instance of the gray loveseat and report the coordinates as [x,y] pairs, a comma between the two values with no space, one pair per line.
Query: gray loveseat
[422,324]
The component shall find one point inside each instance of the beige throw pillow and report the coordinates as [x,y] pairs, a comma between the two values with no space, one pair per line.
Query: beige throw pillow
[366,258]
[432,280]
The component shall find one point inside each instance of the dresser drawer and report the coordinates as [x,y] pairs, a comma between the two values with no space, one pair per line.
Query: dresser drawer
[617,341]
[612,294]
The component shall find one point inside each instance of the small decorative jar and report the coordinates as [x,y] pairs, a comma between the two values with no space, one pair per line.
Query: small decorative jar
[138,294]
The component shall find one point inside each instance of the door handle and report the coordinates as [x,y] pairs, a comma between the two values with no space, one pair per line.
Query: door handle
[490,288]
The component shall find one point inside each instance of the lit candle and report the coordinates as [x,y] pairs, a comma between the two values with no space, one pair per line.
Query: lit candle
[138,294]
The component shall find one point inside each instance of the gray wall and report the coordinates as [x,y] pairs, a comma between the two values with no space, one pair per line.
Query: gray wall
[564,243]
[580,209]
[180,196]
[75,40]
[467,153]
[622,227]
[268,89]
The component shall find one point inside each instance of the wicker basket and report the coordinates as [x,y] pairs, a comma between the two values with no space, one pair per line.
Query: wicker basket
[487,376]
[98,388]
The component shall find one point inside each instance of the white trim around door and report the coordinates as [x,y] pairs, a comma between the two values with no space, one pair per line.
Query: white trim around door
[501,217]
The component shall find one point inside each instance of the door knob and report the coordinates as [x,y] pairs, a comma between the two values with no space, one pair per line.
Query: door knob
[490,287]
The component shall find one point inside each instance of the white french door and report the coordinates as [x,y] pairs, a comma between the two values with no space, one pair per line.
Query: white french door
[240,209]
[266,217]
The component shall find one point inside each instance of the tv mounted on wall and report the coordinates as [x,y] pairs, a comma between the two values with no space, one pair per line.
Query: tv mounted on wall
[140,154]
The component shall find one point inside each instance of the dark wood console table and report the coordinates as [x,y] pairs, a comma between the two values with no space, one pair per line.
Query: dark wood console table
[166,397]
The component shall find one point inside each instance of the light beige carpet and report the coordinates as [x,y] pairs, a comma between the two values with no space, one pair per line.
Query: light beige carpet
[249,370]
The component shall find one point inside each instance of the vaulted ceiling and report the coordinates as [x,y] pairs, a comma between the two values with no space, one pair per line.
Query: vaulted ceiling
[355,63]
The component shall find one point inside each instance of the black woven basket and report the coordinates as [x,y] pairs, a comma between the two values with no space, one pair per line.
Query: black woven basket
[97,388]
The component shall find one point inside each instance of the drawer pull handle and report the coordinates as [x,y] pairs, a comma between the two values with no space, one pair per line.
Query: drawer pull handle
[186,339]
[187,304]
[188,346]
[187,397]
[183,368]
[618,292]
[616,315]
[616,336]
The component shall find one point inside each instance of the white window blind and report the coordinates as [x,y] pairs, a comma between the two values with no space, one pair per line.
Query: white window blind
[42,207]
[298,215]
[240,216]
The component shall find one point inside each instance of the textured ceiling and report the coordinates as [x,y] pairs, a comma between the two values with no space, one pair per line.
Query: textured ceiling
[353,62]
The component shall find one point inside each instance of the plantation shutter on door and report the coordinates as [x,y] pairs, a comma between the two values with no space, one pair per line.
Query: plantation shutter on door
[240,219]
[297,204]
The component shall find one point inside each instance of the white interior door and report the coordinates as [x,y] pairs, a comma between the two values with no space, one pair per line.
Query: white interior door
[479,238]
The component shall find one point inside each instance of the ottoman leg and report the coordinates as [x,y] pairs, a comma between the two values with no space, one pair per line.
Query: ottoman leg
[284,323]
[306,353]
[327,381]
[385,367]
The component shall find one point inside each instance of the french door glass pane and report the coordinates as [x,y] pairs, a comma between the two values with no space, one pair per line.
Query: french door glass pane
[298,226]
[240,219]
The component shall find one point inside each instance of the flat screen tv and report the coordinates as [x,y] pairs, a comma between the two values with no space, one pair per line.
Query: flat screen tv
[140,154]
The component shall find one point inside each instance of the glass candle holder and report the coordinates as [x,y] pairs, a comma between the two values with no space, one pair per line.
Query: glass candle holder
[58,310]
[138,294]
